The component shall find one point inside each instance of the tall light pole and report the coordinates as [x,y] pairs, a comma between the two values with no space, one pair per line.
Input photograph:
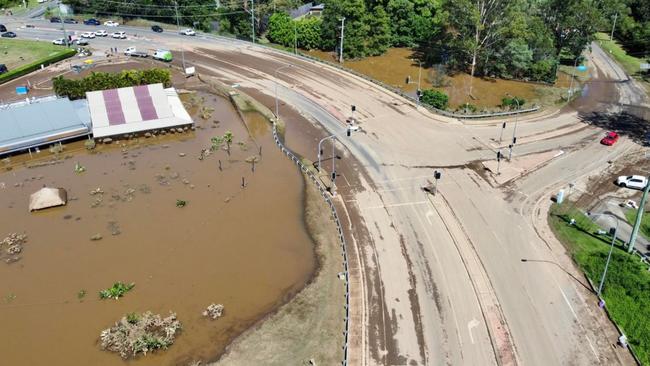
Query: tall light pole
[253,19]
[639,214]
[178,27]
[295,38]
[514,131]
[277,115]
[341,47]
[573,76]
[611,36]
[611,248]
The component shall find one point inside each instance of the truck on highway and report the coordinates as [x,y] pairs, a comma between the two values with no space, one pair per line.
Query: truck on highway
[132,51]
[163,55]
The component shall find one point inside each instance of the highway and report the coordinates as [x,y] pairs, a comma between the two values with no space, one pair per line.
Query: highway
[441,278]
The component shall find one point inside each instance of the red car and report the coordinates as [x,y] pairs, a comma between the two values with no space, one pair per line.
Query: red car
[609,139]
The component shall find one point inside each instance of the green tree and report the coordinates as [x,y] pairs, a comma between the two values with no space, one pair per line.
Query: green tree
[309,32]
[573,23]
[281,29]
[402,22]
[435,98]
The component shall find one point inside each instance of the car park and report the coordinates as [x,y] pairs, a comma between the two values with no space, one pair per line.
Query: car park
[3,28]
[88,35]
[101,33]
[156,28]
[111,23]
[118,35]
[632,181]
[55,20]
[609,139]
[91,21]
[70,21]
[188,32]
[3,69]
[8,35]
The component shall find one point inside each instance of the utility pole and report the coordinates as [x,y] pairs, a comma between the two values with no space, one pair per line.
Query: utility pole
[295,38]
[253,18]
[637,222]
[178,27]
[65,36]
[611,36]
[341,47]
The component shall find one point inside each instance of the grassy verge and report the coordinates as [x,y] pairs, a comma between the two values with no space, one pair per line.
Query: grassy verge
[627,287]
[631,64]
[630,215]
[311,325]
[23,57]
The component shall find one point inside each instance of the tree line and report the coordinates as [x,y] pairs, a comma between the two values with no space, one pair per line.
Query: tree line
[521,39]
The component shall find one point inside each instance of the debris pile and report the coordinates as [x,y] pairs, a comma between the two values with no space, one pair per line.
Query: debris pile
[140,333]
[213,311]
[13,245]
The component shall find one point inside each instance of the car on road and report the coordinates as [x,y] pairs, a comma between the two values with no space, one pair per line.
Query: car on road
[163,55]
[111,23]
[88,35]
[8,35]
[70,21]
[3,28]
[80,42]
[156,28]
[101,33]
[188,32]
[610,138]
[632,181]
[118,35]
[91,21]
[3,69]
[132,51]
[55,20]
[60,42]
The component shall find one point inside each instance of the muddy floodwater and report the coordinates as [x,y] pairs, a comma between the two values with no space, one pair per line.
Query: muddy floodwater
[397,64]
[245,248]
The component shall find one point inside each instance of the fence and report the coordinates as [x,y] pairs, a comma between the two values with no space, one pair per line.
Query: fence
[327,199]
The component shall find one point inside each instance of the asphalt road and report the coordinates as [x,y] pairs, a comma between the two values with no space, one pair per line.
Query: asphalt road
[443,281]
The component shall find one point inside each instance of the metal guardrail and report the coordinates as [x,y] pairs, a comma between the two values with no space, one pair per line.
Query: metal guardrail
[328,200]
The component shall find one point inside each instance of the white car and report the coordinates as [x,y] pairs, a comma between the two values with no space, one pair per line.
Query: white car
[111,23]
[101,33]
[118,35]
[59,41]
[88,35]
[632,181]
[188,32]
[129,50]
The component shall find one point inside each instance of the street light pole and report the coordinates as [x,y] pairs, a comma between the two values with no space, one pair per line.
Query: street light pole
[277,115]
[609,256]
[639,214]
[320,149]
[178,27]
[341,47]
[514,131]
[573,76]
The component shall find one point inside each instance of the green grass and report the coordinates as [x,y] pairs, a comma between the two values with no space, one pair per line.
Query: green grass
[630,215]
[18,52]
[632,65]
[627,288]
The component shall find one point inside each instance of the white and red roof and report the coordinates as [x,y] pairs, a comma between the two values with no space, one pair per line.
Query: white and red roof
[135,109]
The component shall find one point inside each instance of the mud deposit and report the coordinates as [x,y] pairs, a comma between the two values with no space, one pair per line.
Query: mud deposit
[245,248]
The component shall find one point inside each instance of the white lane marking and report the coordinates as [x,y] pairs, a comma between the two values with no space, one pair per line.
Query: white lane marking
[566,299]
[428,215]
[397,205]
[592,347]
[471,325]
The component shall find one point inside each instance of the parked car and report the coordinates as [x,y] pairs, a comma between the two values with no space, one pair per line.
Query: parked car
[8,35]
[60,42]
[101,33]
[609,139]
[3,28]
[70,21]
[55,20]
[111,23]
[80,42]
[3,69]
[156,28]
[162,55]
[132,51]
[632,181]
[88,35]
[188,32]
[91,21]
[118,35]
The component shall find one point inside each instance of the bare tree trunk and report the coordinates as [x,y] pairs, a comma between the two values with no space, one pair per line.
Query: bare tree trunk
[474,53]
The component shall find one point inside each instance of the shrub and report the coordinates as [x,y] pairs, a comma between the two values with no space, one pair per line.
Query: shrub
[116,291]
[76,89]
[512,103]
[26,69]
[140,333]
[467,107]
[435,98]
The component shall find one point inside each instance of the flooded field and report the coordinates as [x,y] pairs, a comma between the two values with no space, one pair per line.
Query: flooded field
[397,64]
[246,248]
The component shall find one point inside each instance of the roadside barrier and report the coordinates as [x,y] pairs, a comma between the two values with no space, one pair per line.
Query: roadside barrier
[326,196]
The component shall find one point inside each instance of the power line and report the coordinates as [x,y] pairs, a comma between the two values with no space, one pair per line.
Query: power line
[171,15]
[170,7]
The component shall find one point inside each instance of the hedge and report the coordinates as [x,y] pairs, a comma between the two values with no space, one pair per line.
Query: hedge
[76,89]
[26,69]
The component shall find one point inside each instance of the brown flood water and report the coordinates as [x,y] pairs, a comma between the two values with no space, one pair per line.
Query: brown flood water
[397,63]
[250,253]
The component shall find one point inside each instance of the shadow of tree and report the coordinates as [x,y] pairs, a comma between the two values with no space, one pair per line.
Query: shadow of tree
[624,123]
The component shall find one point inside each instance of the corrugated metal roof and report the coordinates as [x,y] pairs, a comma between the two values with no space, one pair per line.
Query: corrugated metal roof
[40,123]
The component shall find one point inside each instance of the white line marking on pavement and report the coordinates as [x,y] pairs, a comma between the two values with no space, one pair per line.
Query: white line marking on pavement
[471,325]
[429,214]
[566,299]
[397,205]
[592,347]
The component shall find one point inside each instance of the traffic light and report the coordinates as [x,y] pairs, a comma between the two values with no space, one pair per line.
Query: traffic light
[499,155]
[408,79]
[418,93]
[437,174]
[349,131]
[514,140]
[504,125]
[333,176]
[354,108]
